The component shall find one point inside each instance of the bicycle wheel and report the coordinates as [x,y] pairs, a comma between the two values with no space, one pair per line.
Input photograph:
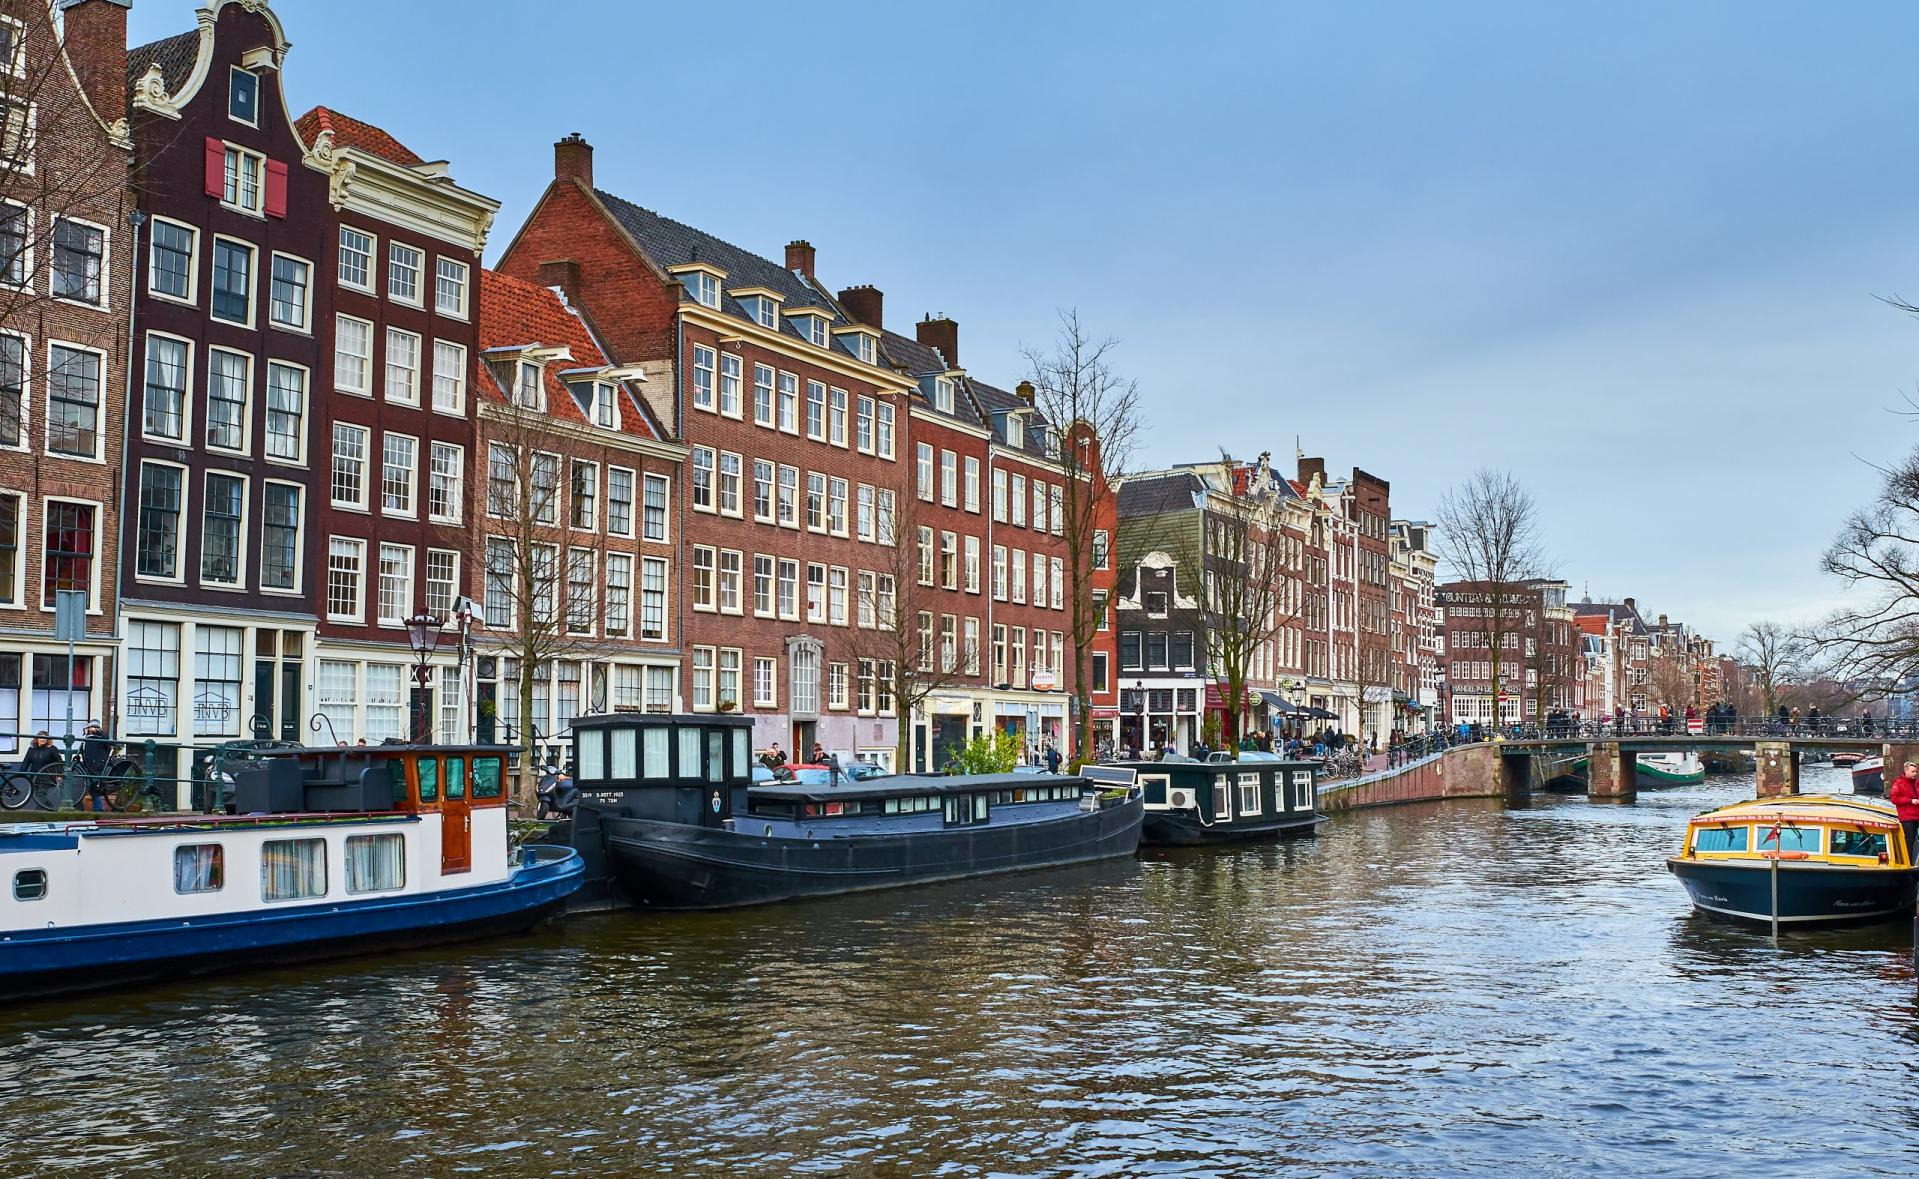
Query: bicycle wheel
[16,791]
[48,789]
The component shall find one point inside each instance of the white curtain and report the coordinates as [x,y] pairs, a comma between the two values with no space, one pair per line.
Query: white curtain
[375,863]
[291,869]
[197,867]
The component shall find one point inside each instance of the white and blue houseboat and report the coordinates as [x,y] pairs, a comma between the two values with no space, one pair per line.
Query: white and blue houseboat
[1259,796]
[331,852]
[668,809]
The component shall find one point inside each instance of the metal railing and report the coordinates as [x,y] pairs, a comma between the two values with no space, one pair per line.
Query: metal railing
[116,774]
[1861,729]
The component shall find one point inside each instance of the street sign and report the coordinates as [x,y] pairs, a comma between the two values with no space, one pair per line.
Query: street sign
[70,616]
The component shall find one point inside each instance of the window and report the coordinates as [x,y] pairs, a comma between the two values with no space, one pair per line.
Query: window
[396,584]
[619,595]
[813,329]
[442,581]
[73,400]
[584,510]
[816,411]
[863,425]
[356,259]
[926,556]
[245,179]
[789,403]
[766,673]
[763,491]
[860,344]
[837,417]
[943,394]
[403,273]
[164,413]
[972,564]
[529,387]
[353,355]
[229,388]
[885,430]
[836,506]
[703,463]
[972,484]
[349,465]
[704,288]
[543,606]
[653,523]
[702,679]
[949,560]
[1100,680]
[703,364]
[653,597]
[500,580]
[13,511]
[1039,579]
[292,869]
[398,469]
[1059,583]
[15,254]
[603,407]
[923,471]
[1102,549]
[704,563]
[815,592]
[836,686]
[762,585]
[789,497]
[1019,500]
[619,501]
[220,522]
[730,385]
[789,590]
[160,508]
[729,484]
[376,863]
[864,524]
[345,560]
[729,581]
[449,287]
[1019,575]
[286,410]
[999,573]
[280,538]
[449,377]
[243,98]
[815,502]
[79,252]
[232,281]
[288,299]
[402,367]
[999,496]
[444,482]
[949,478]
[1039,506]
[171,258]
[581,596]
[836,596]
[544,486]
[199,867]
[217,658]
[763,394]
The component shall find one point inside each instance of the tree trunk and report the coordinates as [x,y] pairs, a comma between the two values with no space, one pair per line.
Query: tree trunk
[529,780]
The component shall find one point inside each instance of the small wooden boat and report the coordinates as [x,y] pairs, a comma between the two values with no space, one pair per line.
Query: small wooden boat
[668,811]
[335,852]
[1259,796]
[1804,860]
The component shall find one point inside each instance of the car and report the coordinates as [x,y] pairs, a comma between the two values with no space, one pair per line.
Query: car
[860,771]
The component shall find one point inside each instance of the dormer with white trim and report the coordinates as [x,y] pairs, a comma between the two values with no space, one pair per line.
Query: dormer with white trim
[762,304]
[703,281]
[521,371]
[813,324]
[861,341]
[597,390]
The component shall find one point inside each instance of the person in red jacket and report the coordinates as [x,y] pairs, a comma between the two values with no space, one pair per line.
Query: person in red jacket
[1904,793]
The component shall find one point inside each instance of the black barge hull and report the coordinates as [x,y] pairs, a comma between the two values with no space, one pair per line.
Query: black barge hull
[1183,829]
[664,865]
[1809,894]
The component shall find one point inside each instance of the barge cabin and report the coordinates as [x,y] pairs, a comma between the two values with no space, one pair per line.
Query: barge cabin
[1260,796]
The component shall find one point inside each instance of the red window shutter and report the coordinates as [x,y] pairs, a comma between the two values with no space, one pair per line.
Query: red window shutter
[276,188]
[216,168]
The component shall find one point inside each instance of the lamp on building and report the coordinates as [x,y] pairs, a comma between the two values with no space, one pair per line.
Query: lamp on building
[423,635]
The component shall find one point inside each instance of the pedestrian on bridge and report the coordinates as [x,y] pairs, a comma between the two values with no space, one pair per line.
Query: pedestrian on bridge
[1904,794]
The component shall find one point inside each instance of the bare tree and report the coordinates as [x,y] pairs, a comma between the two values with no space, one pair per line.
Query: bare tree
[1096,415]
[1774,657]
[901,609]
[541,595]
[1489,535]
[1669,681]
[1875,637]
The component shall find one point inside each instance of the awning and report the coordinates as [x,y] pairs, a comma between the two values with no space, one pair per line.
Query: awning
[1279,704]
[1321,714]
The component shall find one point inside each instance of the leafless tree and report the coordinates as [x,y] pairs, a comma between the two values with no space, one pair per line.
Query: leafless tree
[1096,415]
[1488,534]
[899,638]
[1669,681]
[542,579]
[1774,656]
[1875,637]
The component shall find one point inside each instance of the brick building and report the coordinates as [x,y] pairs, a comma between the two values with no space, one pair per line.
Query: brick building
[1540,651]
[66,264]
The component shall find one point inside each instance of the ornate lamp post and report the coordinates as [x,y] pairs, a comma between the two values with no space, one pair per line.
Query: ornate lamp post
[423,634]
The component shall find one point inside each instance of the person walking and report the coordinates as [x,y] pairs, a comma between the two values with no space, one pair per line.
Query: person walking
[1904,795]
[1052,760]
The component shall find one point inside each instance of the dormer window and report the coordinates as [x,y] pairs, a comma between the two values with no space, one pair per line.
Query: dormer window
[812,326]
[529,390]
[762,306]
[943,394]
[859,343]
[704,288]
[600,400]
[243,97]
[1015,431]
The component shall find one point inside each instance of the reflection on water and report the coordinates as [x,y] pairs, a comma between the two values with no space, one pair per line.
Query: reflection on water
[1428,990]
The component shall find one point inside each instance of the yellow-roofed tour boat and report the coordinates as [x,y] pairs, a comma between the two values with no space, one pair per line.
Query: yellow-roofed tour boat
[1801,860]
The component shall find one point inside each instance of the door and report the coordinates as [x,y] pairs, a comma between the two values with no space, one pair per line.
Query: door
[456,823]
[290,702]
[264,681]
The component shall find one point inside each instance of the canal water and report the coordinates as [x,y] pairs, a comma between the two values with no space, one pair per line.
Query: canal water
[1443,989]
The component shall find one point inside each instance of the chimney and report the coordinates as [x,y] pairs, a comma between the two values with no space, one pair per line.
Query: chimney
[799,256]
[1662,620]
[1631,605]
[941,333]
[862,303]
[573,159]
[563,273]
[1310,467]
[1024,390]
[96,44]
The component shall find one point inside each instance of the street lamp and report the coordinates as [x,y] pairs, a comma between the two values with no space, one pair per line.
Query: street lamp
[423,634]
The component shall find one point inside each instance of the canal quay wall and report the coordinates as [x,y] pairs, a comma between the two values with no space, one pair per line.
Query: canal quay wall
[1470,771]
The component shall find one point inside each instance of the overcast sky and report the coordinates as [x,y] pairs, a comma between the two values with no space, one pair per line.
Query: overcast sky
[1628,251]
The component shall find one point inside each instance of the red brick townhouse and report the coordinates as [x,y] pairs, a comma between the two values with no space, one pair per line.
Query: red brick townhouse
[792,420]
[65,294]
[575,522]
[231,352]
[395,428]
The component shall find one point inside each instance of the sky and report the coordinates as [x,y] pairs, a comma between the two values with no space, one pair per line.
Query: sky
[1632,253]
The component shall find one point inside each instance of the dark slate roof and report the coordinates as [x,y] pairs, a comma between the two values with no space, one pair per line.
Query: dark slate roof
[923,364]
[1153,495]
[1616,611]
[174,55]
[670,243]
[996,403]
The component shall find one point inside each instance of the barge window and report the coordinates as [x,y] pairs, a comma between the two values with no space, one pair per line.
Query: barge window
[592,755]
[624,753]
[199,867]
[912,804]
[1792,839]
[456,778]
[742,751]
[716,755]
[1222,802]
[1303,786]
[30,885]
[292,869]
[486,777]
[689,753]
[1720,839]
[429,779]
[654,748]
[1858,843]
[375,863]
[1249,794]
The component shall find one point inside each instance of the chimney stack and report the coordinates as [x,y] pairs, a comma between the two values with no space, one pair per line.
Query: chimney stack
[96,42]
[573,159]
[1310,467]
[1631,605]
[863,303]
[1025,391]
[799,256]
[565,274]
[943,334]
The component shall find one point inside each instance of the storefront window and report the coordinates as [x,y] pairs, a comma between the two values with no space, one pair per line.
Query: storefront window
[216,667]
[152,705]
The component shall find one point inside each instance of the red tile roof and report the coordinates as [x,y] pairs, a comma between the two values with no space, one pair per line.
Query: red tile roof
[351,132]
[515,313]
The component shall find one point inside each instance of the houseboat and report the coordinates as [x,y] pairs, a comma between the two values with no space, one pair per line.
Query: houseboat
[1671,769]
[669,814]
[1807,860]
[1259,796]
[329,853]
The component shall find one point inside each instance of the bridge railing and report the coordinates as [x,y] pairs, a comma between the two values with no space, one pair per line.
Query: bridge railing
[1756,727]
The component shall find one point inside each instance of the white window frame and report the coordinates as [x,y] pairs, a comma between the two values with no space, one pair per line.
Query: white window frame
[305,326]
[359,605]
[466,286]
[458,409]
[299,534]
[365,389]
[192,298]
[393,247]
[372,260]
[387,367]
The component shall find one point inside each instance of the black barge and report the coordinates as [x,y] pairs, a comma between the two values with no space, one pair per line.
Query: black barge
[1259,796]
